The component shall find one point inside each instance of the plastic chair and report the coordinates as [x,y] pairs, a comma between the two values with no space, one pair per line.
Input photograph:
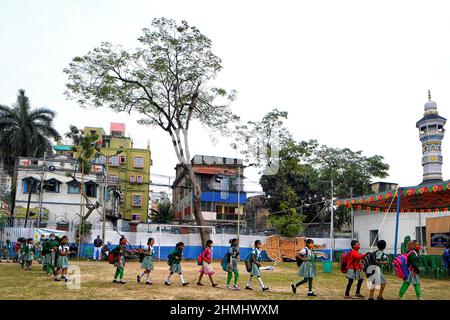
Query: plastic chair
[436,267]
[424,265]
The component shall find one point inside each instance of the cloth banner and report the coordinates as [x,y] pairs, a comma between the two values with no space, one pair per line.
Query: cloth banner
[46,232]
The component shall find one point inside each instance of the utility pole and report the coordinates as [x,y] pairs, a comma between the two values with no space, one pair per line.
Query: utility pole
[351,212]
[332,222]
[41,191]
[239,202]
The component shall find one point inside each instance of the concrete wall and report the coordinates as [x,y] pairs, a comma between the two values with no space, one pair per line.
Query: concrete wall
[408,221]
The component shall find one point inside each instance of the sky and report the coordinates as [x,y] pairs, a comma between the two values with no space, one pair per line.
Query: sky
[350,73]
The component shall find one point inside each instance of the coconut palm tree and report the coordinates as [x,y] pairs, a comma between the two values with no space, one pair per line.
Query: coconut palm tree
[24,132]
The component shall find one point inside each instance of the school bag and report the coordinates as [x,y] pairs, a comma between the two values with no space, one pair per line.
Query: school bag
[369,259]
[400,264]
[200,260]
[224,262]
[111,257]
[141,256]
[300,261]
[345,260]
[446,258]
[248,262]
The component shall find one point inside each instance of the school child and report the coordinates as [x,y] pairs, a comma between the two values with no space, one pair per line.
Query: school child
[254,260]
[413,278]
[354,271]
[207,268]
[147,261]
[307,268]
[6,249]
[17,245]
[50,248]
[174,262]
[380,260]
[29,253]
[22,250]
[232,264]
[445,257]
[62,261]
[119,253]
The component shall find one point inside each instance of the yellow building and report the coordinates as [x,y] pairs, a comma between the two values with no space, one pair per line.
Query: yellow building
[128,171]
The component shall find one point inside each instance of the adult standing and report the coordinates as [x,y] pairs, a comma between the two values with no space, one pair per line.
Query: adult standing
[98,244]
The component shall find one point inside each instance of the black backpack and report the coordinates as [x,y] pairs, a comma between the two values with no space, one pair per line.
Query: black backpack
[300,261]
[369,260]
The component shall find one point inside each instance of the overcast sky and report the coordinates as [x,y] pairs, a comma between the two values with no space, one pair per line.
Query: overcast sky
[350,73]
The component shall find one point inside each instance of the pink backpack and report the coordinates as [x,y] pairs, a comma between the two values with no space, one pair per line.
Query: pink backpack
[400,264]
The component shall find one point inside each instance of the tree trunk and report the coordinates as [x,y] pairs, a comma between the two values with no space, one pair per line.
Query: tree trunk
[30,188]
[14,187]
[204,232]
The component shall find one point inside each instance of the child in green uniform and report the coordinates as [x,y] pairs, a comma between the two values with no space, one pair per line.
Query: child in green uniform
[379,278]
[413,265]
[147,261]
[307,268]
[254,260]
[29,252]
[6,249]
[23,247]
[50,248]
[174,262]
[119,254]
[232,265]
[62,262]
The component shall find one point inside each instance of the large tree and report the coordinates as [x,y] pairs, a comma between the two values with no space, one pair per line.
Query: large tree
[166,80]
[24,132]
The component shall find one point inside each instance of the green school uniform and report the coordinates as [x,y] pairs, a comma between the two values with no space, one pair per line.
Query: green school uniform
[22,252]
[147,262]
[50,256]
[29,252]
[233,254]
[62,261]
[255,269]
[175,263]
[308,267]
[119,253]
[413,263]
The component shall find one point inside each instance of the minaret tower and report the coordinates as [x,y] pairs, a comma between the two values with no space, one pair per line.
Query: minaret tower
[431,129]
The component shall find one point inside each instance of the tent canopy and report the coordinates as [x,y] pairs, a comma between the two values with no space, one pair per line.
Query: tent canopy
[423,198]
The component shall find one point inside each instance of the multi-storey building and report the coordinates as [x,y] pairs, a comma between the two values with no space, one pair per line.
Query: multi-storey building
[221,182]
[128,170]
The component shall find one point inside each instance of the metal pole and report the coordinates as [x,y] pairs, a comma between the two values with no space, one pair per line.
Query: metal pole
[239,202]
[159,243]
[420,231]
[104,202]
[332,223]
[40,191]
[399,194]
[352,214]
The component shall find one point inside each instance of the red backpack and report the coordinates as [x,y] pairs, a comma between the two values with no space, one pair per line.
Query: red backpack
[345,261]
[111,258]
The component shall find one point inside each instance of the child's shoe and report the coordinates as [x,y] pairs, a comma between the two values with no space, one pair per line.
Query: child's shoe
[236,287]
[185,284]
[294,288]
[312,294]
[138,279]
[265,288]
[248,288]
[148,283]
[166,283]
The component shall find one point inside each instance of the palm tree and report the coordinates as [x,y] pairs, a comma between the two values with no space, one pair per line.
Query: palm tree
[24,132]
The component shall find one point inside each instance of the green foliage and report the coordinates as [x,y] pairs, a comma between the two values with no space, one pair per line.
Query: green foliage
[164,212]
[259,141]
[287,221]
[25,132]
[82,231]
[83,147]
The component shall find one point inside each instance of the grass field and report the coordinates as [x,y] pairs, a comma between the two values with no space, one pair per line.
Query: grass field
[96,283]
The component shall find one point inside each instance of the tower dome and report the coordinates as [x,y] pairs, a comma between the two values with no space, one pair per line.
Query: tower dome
[430,106]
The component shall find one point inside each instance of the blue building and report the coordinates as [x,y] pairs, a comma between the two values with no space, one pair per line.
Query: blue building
[222,197]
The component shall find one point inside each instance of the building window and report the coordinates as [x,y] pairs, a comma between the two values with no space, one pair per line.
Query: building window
[136,200]
[132,179]
[114,161]
[139,162]
[373,237]
[123,159]
[113,179]
[30,183]
[139,179]
[90,188]
[52,185]
[73,187]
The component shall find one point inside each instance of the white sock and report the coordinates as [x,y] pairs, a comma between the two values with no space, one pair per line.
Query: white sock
[260,282]
[168,278]
[142,274]
[182,278]
[249,282]
[148,277]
